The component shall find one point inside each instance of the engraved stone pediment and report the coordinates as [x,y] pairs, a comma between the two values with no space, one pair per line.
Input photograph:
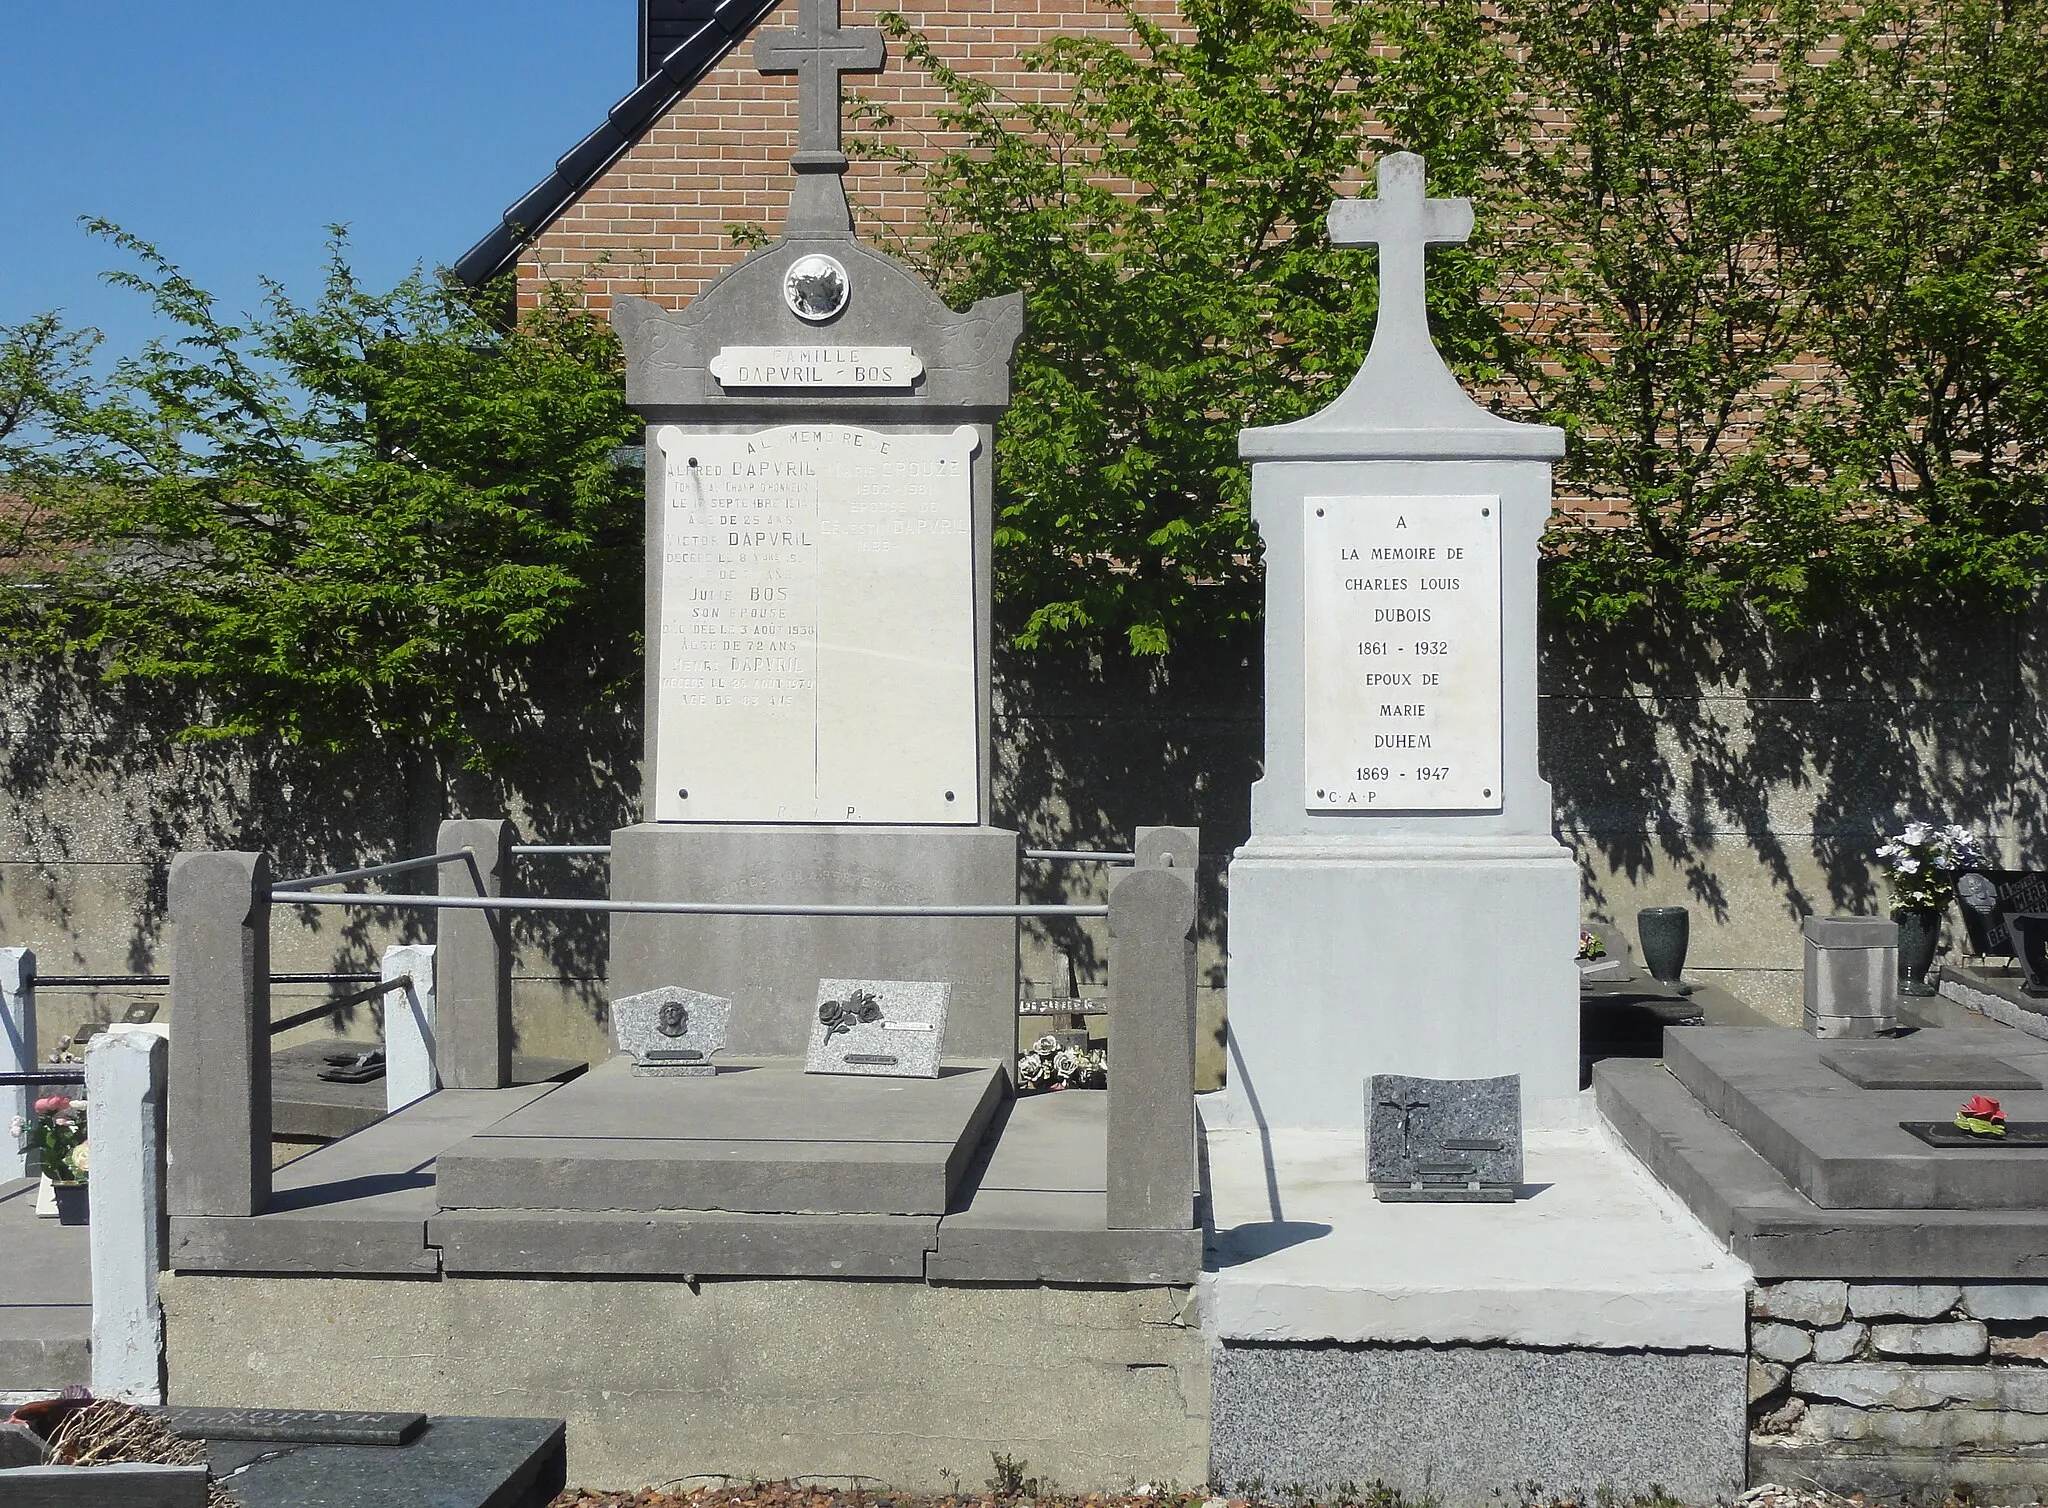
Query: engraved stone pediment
[966,357]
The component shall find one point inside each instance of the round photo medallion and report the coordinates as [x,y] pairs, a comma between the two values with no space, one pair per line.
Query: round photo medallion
[816,287]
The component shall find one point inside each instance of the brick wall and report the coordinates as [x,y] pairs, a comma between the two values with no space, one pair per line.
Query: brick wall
[658,223]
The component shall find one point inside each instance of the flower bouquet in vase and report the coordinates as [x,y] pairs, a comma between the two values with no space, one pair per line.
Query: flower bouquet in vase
[55,1133]
[1921,864]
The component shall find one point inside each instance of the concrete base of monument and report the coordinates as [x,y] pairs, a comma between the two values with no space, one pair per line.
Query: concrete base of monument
[899,1385]
[1604,1330]
[769,966]
[1441,957]
[1993,991]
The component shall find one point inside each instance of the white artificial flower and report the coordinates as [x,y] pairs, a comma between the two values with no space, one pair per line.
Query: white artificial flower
[81,1158]
[1909,866]
[1916,833]
[16,1127]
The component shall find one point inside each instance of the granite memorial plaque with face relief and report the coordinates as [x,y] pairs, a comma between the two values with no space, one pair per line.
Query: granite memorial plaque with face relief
[891,1028]
[1453,1141]
[671,1032]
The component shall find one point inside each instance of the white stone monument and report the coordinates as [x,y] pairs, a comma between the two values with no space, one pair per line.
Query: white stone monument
[1402,905]
[819,468]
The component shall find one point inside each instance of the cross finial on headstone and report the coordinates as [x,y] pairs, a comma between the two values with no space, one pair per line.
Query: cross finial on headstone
[818,52]
[1402,221]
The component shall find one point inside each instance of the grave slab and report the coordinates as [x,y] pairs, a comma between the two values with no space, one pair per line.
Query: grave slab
[448,1462]
[1594,1253]
[356,1206]
[1035,1208]
[1842,1146]
[45,1297]
[1884,1066]
[759,1137]
[302,1104]
[1750,1208]
[1993,991]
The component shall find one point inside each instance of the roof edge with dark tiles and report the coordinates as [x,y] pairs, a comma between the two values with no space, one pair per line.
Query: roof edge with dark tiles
[702,50]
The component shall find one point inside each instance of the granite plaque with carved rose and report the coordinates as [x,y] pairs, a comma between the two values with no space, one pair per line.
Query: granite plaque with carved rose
[671,1032]
[887,1027]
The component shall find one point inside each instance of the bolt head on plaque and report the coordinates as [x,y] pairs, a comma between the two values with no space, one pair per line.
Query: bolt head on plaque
[816,287]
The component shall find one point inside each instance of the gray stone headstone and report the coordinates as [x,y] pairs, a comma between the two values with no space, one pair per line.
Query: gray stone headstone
[889,1027]
[672,1033]
[1450,1140]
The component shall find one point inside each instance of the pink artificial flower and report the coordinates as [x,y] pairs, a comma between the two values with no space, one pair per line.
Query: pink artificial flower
[53,1104]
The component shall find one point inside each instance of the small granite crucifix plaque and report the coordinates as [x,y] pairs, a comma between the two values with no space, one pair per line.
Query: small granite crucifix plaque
[888,1027]
[1444,1140]
[671,1032]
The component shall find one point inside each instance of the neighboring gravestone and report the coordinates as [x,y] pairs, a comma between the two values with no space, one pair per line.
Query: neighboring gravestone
[1401,804]
[887,1027]
[1987,896]
[820,435]
[671,1033]
[1456,1141]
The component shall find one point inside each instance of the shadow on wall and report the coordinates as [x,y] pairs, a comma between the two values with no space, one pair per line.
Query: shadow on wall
[1727,754]
[1091,747]
[97,794]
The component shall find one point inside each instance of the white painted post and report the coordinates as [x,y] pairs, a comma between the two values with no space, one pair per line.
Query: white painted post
[17,1051]
[126,1074]
[411,1069]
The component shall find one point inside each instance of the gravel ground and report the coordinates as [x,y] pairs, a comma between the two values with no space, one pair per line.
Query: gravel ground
[788,1495]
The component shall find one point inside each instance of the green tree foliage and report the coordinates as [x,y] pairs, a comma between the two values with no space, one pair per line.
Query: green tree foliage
[1775,267]
[369,521]
[1915,170]
[1656,317]
[1165,221]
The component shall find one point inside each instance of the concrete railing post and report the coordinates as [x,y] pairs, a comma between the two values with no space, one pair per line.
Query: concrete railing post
[17,1051]
[1170,848]
[220,1025]
[474,964]
[125,1078]
[1152,1175]
[409,1065]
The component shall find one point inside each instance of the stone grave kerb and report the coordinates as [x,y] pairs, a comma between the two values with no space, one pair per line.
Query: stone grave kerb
[1401,817]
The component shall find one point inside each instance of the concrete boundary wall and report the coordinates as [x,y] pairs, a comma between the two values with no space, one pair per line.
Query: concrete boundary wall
[893,1384]
[1742,774]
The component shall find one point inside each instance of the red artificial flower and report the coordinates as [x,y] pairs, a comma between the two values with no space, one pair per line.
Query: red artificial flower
[53,1104]
[1982,1107]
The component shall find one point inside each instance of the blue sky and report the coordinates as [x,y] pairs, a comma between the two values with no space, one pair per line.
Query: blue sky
[232,133]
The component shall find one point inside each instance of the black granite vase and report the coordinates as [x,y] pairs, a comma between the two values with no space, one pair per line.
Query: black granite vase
[1919,935]
[1664,932]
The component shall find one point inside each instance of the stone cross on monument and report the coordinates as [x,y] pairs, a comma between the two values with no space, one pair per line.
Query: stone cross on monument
[818,52]
[1403,222]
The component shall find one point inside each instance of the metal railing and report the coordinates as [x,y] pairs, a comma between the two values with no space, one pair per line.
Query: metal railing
[327,1007]
[66,1075]
[668,908]
[157,981]
[1083,855]
[370,872]
[562,848]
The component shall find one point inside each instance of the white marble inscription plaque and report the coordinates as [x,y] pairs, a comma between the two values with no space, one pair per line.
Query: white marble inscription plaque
[1401,628]
[817,655]
[817,366]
